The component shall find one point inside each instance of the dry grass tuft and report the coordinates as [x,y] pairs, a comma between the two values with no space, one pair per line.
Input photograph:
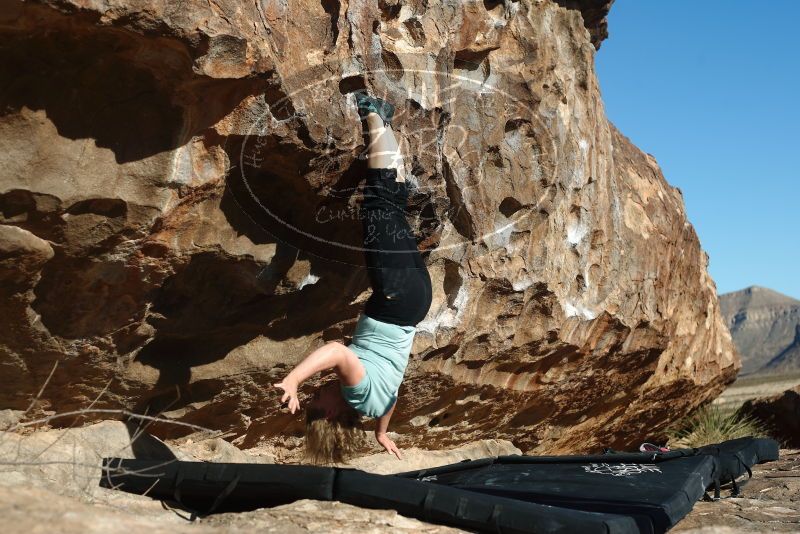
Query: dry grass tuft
[709,425]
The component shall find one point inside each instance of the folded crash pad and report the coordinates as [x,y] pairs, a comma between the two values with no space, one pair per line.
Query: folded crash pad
[211,487]
[655,489]
[616,492]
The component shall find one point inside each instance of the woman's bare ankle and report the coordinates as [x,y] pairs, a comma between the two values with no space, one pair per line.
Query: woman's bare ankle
[374,121]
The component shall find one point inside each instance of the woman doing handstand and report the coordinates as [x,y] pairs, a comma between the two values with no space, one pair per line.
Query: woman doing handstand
[371,368]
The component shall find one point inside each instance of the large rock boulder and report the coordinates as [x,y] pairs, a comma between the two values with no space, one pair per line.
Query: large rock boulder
[69,461]
[780,414]
[178,198]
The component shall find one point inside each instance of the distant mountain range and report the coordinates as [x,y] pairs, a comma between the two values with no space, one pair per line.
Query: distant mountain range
[765,326]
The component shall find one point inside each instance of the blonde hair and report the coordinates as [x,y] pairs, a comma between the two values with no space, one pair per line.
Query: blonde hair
[332,440]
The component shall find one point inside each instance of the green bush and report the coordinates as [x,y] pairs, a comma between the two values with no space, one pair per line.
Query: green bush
[709,424]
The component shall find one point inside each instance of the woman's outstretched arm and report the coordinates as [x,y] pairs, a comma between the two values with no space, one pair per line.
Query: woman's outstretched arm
[333,355]
[380,433]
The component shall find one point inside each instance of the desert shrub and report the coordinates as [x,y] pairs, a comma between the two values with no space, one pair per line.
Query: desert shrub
[709,424]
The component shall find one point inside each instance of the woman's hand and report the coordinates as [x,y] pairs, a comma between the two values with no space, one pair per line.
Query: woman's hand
[388,444]
[289,388]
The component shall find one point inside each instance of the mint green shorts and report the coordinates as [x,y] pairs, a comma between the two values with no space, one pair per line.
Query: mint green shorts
[383,349]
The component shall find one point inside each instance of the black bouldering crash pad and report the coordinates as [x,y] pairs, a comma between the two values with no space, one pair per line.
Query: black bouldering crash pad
[616,492]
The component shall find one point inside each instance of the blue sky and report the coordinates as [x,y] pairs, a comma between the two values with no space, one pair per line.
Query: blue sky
[712,90]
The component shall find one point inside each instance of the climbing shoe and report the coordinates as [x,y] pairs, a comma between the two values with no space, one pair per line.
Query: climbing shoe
[370,104]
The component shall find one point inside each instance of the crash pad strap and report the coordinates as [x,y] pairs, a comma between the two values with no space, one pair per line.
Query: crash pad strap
[224,494]
[494,519]
[461,507]
[177,495]
[427,504]
[220,498]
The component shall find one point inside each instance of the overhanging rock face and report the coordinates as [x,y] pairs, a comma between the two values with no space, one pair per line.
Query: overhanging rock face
[179,191]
